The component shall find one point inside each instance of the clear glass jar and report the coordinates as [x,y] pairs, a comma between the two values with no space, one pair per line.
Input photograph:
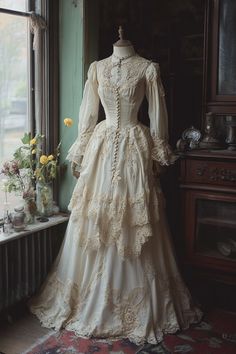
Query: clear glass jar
[30,210]
[19,218]
[44,199]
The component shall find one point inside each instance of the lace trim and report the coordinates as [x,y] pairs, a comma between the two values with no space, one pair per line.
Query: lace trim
[132,72]
[109,221]
[140,236]
[62,306]
[78,148]
[162,152]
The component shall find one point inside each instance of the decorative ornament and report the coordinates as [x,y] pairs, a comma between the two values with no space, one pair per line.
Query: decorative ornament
[209,140]
[189,140]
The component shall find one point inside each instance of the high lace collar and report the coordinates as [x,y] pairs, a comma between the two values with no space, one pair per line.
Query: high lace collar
[116,60]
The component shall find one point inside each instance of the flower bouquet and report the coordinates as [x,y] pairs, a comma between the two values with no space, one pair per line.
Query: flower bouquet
[31,172]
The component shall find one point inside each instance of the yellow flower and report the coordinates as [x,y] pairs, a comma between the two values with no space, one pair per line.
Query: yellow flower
[50,157]
[43,159]
[33,152]
[33,141]
[68,122]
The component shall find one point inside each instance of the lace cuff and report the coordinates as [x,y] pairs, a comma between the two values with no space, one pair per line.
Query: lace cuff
[77,150]
[162,152]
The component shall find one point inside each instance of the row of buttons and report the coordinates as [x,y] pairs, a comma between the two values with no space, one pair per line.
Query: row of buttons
[117,133]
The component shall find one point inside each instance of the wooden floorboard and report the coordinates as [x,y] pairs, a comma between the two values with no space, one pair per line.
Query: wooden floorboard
[17,337]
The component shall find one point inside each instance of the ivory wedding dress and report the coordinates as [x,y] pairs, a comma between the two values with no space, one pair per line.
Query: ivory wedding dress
[116,275]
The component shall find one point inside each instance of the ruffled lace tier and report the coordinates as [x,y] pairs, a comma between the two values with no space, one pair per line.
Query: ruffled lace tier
[77,150]
[125,222]
[120,210]
[162,152]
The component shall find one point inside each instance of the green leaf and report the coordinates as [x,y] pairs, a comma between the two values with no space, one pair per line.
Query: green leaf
[26,138]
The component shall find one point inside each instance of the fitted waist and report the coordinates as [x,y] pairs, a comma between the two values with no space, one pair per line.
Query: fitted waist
[103,129]
[122,122]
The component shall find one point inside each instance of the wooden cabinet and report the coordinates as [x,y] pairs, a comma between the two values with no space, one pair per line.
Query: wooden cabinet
[207,231]
[208,188]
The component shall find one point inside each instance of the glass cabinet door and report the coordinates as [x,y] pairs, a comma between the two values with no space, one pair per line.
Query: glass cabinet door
[227,48]
[215,233]
[220,59]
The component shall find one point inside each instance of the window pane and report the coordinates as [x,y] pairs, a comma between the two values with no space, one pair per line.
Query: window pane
[227,48]
[19,5]
[14,69]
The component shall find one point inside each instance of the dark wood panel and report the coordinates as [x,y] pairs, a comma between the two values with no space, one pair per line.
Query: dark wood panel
[210,172]
[209,178]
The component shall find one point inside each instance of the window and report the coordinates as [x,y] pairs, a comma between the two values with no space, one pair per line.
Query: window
[28,78]
[15,80]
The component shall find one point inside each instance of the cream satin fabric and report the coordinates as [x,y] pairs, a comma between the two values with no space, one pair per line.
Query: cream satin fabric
[116,275]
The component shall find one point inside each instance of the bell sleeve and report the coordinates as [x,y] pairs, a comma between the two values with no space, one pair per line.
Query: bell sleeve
[88,116]
[161,150]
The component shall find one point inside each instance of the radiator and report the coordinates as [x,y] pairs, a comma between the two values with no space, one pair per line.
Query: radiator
[25,262]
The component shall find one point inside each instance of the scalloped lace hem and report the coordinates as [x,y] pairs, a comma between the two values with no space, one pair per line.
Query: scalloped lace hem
[107,334]
[130,315]
[132,337]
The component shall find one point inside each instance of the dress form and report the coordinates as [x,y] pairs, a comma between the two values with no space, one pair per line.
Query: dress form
[116,275]
[123,48]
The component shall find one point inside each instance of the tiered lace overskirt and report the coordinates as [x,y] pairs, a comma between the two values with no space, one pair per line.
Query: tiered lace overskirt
[116,274]
[111,201]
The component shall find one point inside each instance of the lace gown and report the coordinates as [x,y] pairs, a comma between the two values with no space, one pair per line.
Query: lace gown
[116,275]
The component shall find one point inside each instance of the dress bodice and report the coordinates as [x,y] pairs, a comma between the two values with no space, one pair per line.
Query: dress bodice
[121,88]
[121,85]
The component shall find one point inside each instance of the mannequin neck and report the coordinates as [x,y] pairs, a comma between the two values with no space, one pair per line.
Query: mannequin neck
[122,52]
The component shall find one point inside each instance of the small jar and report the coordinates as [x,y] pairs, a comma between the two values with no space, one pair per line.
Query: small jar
[19,218]
[7,222]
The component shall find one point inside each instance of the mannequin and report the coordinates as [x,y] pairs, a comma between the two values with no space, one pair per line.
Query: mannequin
[122,49]
[116,275]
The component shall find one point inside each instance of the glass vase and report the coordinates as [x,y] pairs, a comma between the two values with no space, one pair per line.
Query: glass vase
[44,199]
[30,210]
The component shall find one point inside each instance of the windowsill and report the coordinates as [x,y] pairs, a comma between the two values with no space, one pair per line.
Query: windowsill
[37,226]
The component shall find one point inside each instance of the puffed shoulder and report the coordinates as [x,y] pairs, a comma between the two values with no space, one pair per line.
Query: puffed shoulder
[152,71]
[92,72]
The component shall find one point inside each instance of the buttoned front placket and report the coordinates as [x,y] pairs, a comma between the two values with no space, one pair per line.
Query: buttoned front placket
[117,135]
[115,172]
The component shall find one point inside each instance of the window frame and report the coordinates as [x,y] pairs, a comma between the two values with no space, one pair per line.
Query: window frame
[48,60]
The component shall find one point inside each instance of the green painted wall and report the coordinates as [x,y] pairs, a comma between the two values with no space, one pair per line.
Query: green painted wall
[78,41]
[71,83]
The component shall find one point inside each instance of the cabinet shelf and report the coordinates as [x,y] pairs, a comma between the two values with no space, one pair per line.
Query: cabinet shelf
[217,222]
